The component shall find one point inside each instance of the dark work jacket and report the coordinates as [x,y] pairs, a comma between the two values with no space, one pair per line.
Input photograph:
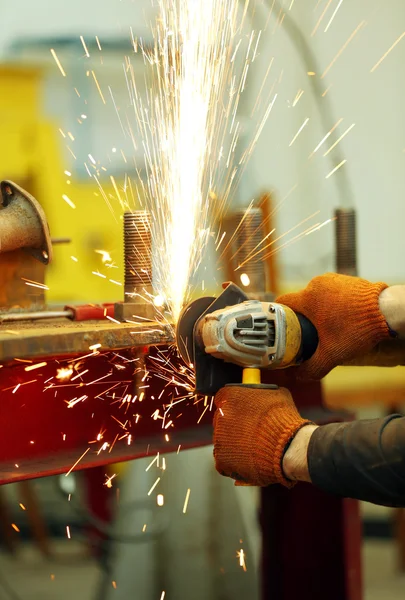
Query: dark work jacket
[362,459]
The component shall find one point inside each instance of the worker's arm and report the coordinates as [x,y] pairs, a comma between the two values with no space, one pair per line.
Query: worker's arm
[260,439]
[362,459]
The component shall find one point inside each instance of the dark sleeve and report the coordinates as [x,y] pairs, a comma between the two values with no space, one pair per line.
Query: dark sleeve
[361,459]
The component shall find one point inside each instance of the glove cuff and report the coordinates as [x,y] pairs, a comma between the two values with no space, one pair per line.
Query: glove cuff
[271,448]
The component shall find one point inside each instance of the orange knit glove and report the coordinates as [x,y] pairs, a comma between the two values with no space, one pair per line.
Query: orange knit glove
[252,429]
[346,314]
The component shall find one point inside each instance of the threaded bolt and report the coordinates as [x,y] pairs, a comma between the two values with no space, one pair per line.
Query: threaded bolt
[247,238]
[137,253]
[345,239]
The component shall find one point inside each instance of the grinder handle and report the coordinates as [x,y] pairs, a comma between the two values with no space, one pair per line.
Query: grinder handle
[251,376]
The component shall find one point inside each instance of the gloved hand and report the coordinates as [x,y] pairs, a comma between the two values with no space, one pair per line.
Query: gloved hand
[346,314]
[252,429]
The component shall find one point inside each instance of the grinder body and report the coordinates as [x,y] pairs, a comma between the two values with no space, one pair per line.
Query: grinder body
[224,336]
[252,334]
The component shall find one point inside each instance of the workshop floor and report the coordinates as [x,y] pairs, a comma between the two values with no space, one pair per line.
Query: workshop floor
[71,575]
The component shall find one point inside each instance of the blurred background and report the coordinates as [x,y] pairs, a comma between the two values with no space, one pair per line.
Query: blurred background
[55,130]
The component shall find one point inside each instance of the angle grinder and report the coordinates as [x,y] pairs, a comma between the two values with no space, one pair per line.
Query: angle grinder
[229,339]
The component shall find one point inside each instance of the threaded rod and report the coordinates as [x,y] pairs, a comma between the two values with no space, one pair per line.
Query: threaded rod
[345,239]
[137,253]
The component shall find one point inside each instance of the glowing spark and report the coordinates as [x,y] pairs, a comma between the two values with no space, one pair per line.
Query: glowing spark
[94,346]
[333,16]
[68,532]
[202,414]
[68,201]
[326,137]
[58,62]
[299,131]
[241,557]
[384,56]
[98,43]
[144,528]
[84,46]
[245,279]
[64,373]
[105,256]
[16,388]
[297,97]
[108,482]
[77,462]
[158,301]
[341,138]
[22,506]
[153,461]
[36,366]
[343,48]
[186,501]
[93,161]
[320,18]
[162,597]
[14,526]
[114,584]
[98,87]
[153,486]
[160,500]
[335,169]
[99,274]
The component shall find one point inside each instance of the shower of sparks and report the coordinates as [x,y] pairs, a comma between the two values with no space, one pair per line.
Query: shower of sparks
[61,69]
[384,56]
[336,169]
[190,130]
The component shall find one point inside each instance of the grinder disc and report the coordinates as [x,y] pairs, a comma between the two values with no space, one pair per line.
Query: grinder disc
[185,326]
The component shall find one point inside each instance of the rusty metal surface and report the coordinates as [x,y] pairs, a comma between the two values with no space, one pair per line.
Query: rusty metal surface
[61,337]
[23,223]
[16,268]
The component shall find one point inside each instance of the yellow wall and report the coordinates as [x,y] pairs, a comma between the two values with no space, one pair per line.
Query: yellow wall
[31,155]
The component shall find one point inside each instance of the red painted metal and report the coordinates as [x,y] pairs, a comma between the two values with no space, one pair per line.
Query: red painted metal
[311,540]
[42,436]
